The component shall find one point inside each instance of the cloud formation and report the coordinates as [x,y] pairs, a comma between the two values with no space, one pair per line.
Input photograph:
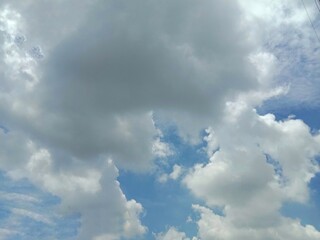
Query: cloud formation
[99,83]
[173,234]
[252,174]
[80,82]
[212,226]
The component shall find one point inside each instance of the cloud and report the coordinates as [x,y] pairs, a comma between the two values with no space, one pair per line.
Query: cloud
[213,226]
[172,234]
[161,149]
[80,81]
[27,212]
[18,197]
[174,175]
[108,77]
[91,191]
[34,216]
[251,175]
[283,29]
[80,89]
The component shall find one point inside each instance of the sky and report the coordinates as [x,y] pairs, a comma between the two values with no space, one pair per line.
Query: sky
[159,120]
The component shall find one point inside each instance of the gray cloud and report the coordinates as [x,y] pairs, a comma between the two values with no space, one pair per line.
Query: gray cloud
[127,59]
[106,67]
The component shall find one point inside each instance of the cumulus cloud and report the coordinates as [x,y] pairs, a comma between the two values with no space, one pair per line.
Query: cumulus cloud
[257,163]
[99,83]
[213,226]
[252,174]
[80,80]
[161,149]
[174,175]
[172,234]
[91,191]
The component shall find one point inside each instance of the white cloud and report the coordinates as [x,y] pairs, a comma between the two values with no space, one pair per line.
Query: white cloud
[18,197]
[212,226]
[172,234]
[161,149]
[91,191]
[264,164]
[177,171]
[33,215]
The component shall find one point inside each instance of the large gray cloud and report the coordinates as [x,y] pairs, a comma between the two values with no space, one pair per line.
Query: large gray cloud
[123,60]
[81,82]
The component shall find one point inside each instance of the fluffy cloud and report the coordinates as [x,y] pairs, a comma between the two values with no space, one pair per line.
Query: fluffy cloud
[174,175]
[250,176]
[172,234]
[79,83]
[99,83]
[92,191]
[256,162]
[213,226]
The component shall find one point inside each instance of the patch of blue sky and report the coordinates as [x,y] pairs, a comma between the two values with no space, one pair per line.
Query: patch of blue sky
[165,204]
[170,203]
[278,170]
[307,213]
[184,154]
[309,115]
[4,128]
[31,213]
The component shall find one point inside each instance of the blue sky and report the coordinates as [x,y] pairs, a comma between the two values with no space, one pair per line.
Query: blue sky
[21,198]
[159,120]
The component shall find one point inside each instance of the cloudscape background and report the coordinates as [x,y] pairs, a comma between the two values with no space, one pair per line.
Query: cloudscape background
[164,120]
